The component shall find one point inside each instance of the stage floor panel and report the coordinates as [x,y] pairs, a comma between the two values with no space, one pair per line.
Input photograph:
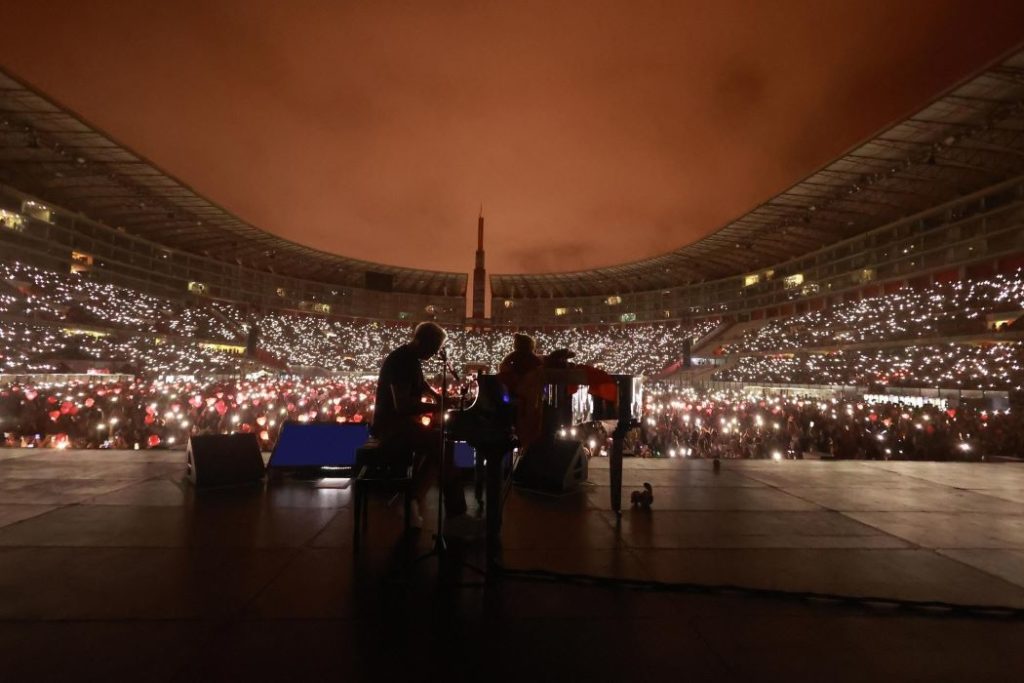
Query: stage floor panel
[100,549]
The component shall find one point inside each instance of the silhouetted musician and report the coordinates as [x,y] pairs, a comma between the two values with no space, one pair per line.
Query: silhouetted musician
[399,411]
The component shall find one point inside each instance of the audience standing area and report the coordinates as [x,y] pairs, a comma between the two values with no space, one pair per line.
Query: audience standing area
[113,567]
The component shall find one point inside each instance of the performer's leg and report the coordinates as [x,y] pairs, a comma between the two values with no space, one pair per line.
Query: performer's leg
[422,477]
[426,444]
[411,439]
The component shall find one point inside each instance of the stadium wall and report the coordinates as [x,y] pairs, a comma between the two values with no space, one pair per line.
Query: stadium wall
[973,236]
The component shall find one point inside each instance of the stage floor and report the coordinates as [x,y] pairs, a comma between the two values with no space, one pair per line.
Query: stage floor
[112,566]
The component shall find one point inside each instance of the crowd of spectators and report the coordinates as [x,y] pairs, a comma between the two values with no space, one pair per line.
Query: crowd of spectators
[28,348]
[998,366]
[156,414]
[675,423]
[320,344]
[309,341]
[188,357]
[88,320]
[942,309]
[731,424]
[42,295]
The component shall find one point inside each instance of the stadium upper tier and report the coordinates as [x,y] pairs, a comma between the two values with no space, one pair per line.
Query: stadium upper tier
[49,152]
[970,138]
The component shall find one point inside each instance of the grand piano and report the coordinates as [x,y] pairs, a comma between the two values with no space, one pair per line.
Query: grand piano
[489,426]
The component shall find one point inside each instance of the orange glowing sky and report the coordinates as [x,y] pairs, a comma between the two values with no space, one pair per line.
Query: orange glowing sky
[592,132]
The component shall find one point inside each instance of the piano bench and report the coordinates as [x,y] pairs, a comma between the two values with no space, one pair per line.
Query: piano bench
[379,466]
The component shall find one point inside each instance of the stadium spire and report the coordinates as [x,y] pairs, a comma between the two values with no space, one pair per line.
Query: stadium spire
[479,272]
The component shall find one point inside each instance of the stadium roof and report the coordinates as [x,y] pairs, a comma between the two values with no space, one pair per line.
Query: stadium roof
[49,152]
[970,138]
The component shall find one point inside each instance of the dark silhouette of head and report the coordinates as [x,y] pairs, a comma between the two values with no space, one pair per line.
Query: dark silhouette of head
[427,339]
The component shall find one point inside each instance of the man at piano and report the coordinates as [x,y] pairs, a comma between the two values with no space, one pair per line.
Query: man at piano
[406,419]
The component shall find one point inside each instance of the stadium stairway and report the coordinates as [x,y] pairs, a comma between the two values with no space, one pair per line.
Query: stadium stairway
[700,375]
[702,343]
[730,333]
[219,315]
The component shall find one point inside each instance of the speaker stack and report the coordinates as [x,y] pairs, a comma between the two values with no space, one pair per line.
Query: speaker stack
[224,459]
[558,467]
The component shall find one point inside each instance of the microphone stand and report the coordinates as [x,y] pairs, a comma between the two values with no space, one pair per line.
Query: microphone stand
[440,544]
[440,549]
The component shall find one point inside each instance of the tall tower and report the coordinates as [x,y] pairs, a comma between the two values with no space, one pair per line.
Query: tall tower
[479,274]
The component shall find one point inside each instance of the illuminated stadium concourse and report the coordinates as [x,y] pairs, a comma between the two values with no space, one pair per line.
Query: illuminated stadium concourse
[742,400]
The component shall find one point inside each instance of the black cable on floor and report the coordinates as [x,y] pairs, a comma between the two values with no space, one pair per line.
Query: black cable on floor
[929,607]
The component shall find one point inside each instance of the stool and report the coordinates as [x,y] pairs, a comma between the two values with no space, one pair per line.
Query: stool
[379,466]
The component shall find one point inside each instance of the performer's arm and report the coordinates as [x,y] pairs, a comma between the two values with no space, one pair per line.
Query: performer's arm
[427,390]
[407,402]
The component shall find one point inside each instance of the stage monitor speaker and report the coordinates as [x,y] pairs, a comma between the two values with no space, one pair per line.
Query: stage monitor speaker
[318,444]
[224,459]
[556,468]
